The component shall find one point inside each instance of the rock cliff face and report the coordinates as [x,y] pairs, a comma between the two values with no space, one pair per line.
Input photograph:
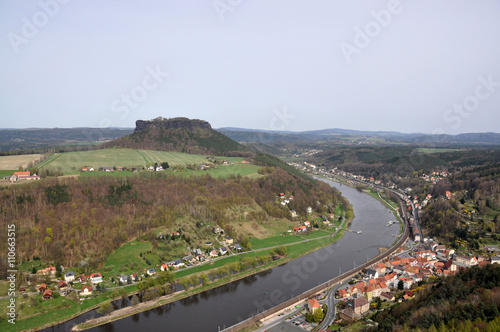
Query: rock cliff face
[173,123]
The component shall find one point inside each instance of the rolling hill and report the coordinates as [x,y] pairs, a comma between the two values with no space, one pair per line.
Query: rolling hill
[180,135]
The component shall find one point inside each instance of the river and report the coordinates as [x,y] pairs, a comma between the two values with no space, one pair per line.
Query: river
[229,304]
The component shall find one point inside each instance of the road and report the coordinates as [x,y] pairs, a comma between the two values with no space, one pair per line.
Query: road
[332,310]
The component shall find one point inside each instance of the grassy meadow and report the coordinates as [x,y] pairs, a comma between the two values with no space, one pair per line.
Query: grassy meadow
[71,162]
[13,162]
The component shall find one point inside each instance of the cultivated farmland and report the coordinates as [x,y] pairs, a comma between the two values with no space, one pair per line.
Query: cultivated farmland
[71,162]
[13,162]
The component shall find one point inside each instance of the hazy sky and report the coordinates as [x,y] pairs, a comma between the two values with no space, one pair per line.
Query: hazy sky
[409,66]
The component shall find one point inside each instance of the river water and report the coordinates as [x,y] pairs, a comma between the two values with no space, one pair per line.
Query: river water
[229,304]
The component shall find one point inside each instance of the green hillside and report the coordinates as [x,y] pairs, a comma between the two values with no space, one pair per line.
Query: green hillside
[71,162]
[181,135]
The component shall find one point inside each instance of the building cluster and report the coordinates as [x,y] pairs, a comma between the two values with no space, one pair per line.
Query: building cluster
[384,279]
[23,176]
[435,177]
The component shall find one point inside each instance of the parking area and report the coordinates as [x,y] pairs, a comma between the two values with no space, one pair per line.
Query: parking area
[299,321]
[283,326]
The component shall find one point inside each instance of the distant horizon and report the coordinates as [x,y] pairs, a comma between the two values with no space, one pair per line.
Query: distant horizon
[267,130]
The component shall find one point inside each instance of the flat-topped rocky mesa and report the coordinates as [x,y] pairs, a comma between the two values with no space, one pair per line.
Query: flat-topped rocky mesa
[179,135]
[172,123]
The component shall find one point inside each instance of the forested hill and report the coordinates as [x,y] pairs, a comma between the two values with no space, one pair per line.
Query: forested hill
[70,220]
[180,135]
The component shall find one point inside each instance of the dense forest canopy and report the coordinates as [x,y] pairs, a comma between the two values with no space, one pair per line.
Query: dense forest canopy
[70,220]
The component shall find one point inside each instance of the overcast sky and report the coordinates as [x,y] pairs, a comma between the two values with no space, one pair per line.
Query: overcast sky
[408,66]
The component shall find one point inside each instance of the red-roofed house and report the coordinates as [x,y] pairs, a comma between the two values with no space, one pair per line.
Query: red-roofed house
[164,267]
[86,291]
[42,288]
[47,295]
[343,293]
[50,271]
[96,278]
[314,305]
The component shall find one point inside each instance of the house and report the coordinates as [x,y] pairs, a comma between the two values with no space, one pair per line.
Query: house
[387,296]
[96,278]
[309,210]
[47,295]
[62,285]
[281,195]
[213,253]
[223,250]
[177,264]
[407,282]
[49,271]
[124,279]
[314,305]
[296,229]
[42,287]
[217,230]
[464,260]
[208,244]
[448,195]
[86,291]
[106,169]
[69,276]
[164,267]
[119,168]
[293,213]
[343,293]
[307,223]
[83,279]
[303,228]
[348,315]
[229,240]
[360,305]
[84,169]
[371,273]
[18,176]
[380,268]
[151,271]
[495,260]
[238,247]
[135,276]
[408,295]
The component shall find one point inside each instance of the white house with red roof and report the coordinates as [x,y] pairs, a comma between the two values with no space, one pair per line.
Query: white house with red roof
[96,278]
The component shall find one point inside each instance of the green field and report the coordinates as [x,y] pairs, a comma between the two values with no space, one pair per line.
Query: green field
[282,240]
[222,171]
[126,256]
[436,150]
[71,162]
[4,173]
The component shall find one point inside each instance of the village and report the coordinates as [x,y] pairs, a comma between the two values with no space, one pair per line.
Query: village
[396,279]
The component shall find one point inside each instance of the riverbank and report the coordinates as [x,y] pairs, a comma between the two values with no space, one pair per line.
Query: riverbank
[132,310]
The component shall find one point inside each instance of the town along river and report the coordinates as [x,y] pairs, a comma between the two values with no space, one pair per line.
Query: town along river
[229,304]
